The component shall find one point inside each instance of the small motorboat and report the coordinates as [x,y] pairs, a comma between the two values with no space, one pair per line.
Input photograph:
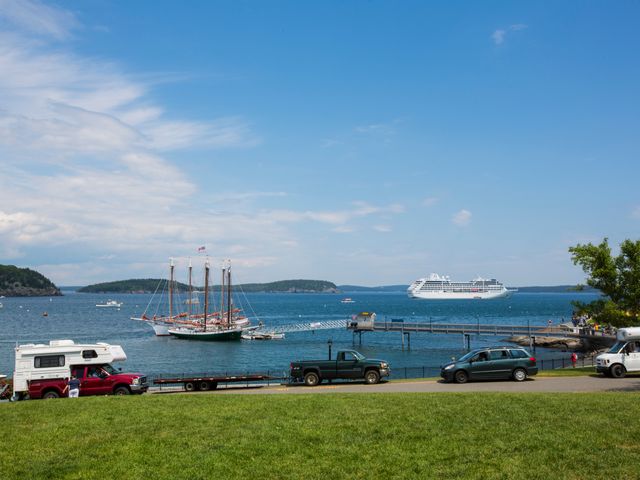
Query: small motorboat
[262,336]
[347,300]
[110,304]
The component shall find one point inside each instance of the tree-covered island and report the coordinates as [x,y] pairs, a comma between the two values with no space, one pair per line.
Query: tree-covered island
[24,282]
[150,285]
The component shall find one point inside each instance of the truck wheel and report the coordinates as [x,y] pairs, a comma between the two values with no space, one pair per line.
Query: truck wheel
[311,379]
[372,377]
[204,386]
[121,391]
[51,394]
[519,375]
[461,376]
[617,371]
[189,386]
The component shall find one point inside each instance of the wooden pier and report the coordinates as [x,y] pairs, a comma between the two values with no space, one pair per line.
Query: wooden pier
[369,323]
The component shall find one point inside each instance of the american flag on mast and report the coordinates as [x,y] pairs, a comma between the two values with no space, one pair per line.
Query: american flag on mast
[202,249]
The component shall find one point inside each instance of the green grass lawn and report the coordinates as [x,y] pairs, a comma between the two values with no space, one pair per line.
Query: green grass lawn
[336,436]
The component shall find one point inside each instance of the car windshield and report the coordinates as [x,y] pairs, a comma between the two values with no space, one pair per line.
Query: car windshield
[616,347]
[109,369]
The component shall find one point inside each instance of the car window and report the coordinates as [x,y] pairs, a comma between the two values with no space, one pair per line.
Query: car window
[519,354]
[499,355]
[481,357]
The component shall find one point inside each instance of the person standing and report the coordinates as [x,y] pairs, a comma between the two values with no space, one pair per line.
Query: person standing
[574,359]
[74,387]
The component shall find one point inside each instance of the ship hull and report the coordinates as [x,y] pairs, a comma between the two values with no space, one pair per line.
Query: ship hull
[160,330]
[207,336]
[459,295]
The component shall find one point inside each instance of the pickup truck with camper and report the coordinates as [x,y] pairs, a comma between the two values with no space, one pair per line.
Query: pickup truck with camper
[623,357]
[43,371]
[348,365]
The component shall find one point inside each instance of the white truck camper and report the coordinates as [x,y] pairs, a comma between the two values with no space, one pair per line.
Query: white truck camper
[54,361]
[624,356]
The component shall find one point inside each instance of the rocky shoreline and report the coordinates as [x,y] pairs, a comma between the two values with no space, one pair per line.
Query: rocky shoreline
[564,343]
[22,291]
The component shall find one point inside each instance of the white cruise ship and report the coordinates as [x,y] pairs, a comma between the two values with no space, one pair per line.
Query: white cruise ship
[436,287]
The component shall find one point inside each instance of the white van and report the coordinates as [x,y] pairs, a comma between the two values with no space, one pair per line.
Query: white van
[623,357]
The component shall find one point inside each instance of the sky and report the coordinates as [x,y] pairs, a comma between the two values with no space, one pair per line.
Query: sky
[359,142]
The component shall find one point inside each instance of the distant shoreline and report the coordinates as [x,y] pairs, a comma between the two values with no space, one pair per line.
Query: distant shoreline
[349,289]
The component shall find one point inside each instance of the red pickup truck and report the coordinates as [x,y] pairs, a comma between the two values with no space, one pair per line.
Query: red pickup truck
[94,380]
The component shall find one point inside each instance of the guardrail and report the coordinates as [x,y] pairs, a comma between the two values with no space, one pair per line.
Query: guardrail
[272,377]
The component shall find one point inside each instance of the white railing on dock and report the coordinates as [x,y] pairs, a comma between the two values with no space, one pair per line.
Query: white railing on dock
[304,327]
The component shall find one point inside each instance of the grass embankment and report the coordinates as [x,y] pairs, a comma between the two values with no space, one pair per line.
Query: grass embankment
[385,436]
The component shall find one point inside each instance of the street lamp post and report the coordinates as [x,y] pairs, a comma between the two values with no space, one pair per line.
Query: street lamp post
[329,342]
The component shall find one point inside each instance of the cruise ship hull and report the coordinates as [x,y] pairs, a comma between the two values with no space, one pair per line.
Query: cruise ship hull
[459,295]
[437,287]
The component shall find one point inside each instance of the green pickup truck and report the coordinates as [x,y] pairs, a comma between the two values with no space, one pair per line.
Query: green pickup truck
[348,364]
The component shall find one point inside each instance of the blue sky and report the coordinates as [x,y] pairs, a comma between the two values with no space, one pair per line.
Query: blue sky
[359,142]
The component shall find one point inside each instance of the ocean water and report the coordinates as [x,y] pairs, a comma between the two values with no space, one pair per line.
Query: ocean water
[75,316]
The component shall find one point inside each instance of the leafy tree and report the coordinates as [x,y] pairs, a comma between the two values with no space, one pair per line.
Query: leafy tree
[618,278]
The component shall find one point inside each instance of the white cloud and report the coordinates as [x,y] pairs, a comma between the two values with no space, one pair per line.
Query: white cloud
[82,169]
[242,196]
[430,201]
[39,18]
[382,228]
[344,229]
[499,35]
[337,217]
[462,218]
[224,132]
[54,99]
[84,173]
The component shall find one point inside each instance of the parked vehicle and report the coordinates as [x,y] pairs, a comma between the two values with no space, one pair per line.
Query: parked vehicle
[348,364]
[491,363]
[210,382]
[43,371]
[623,357]
[5,388]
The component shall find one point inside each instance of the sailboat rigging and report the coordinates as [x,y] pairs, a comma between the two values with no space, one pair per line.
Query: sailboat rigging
[217,325]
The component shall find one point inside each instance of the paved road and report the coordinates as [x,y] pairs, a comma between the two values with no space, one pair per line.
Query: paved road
[538,384]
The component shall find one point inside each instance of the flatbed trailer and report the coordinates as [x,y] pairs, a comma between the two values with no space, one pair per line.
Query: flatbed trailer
[211,382]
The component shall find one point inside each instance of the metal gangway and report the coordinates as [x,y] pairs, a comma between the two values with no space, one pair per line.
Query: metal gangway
[303,327]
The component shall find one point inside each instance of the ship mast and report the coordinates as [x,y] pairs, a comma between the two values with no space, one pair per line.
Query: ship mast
[206,292]
[222,295]
[171,267]
[190,288]
[229,296]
